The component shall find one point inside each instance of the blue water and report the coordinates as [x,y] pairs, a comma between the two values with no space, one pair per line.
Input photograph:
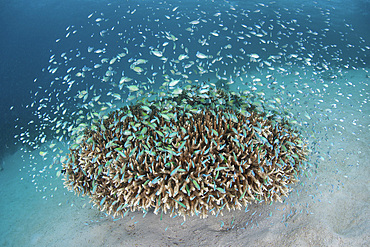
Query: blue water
[29,31]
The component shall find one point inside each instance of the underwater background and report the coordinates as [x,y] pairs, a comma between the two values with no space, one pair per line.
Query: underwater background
[308,61]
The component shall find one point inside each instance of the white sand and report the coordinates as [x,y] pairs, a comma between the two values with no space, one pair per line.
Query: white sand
[332,208]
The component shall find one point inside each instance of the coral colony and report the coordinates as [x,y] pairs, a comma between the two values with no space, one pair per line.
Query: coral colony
[196,151]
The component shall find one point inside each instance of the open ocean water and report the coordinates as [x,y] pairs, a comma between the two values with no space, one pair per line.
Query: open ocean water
[66,64]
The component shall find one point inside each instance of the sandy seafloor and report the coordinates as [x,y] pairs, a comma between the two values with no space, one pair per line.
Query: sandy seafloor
[329,208]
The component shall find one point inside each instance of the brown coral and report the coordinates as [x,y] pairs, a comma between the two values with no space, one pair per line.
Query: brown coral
[194,153]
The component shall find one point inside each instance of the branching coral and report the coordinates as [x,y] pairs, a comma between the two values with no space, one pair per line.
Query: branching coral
[194,153]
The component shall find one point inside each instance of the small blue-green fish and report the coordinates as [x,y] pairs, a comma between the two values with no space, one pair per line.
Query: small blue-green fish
[175,170]
[221,168]
[120,152]
[102,201]
[196,184]
[221,190]
[156,180]
[180,203]
[132,151]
